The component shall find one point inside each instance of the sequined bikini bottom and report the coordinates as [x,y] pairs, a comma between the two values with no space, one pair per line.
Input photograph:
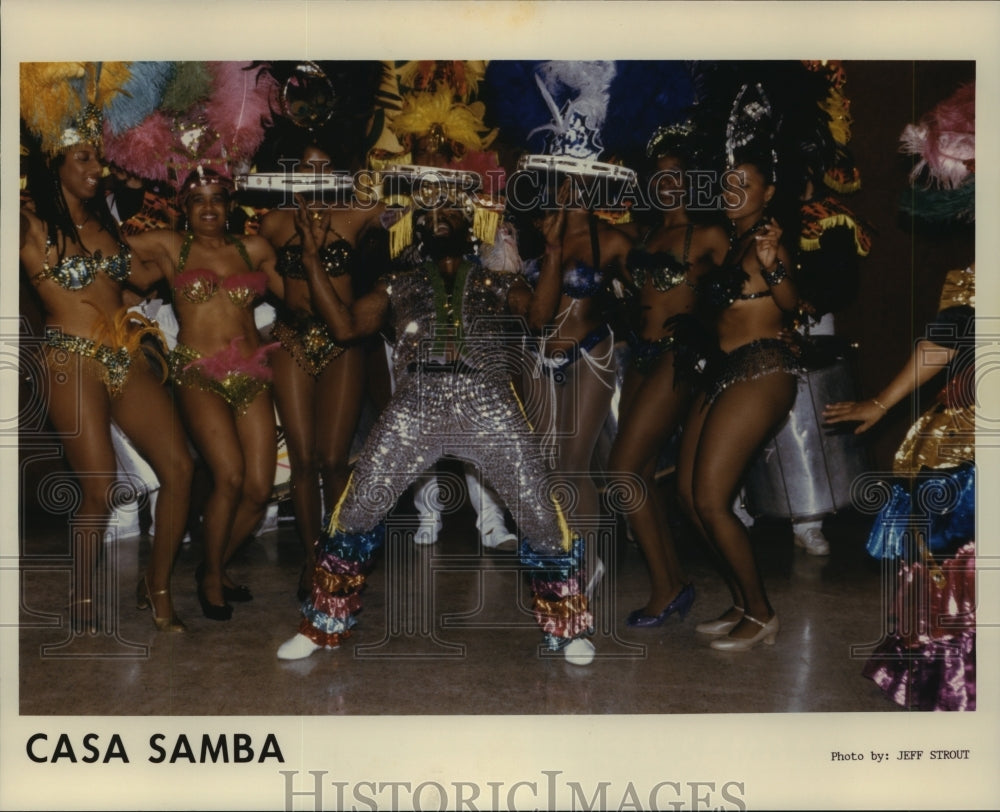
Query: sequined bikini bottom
[227,373]
[308,340]
[123,335]
[646,352]
[754,360]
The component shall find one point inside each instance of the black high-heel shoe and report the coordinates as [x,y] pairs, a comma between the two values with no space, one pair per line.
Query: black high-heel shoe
[213,611]
[236,594]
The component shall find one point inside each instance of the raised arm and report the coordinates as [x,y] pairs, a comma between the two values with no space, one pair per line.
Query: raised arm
[364,317]
[154,256]
[776,266]
[538,306]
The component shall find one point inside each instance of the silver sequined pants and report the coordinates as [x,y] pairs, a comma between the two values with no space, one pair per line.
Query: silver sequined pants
[474,416]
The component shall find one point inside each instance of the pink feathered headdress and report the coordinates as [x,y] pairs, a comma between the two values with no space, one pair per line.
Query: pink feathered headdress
[222,130]
[945,140]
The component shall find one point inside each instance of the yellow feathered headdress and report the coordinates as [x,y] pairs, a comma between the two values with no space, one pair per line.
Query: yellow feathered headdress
[436,115]
[61,102]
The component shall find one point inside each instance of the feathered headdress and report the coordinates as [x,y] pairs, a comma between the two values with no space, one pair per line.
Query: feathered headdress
[434,134]
[575,127]
[772,111]
[220,124]
[445,125]
[555,112]
[943,179]
[842,175]
[944,140]
[326,104]
[62,103]
[646,96]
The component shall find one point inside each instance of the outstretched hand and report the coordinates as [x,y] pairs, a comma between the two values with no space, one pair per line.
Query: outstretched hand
[865,412]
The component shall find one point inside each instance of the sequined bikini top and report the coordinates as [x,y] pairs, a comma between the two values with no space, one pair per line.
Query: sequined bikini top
[199,285]
[77,272]
[661,268]
[579,281]
[337,258]
[722,287]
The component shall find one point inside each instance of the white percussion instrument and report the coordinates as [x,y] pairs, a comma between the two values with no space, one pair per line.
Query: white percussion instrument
[295,183]
[582,167]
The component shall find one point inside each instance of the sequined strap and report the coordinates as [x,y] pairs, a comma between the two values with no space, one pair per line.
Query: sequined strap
[230,240]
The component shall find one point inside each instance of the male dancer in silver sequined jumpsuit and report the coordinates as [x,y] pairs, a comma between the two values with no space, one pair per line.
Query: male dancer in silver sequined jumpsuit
[451,317]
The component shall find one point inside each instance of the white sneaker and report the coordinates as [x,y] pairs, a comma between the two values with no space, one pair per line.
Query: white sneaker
[496,536]
[428,529]
[813,541]
[297,648]
[579,651]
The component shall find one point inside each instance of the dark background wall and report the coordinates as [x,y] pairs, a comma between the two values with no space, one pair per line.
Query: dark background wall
[902,276]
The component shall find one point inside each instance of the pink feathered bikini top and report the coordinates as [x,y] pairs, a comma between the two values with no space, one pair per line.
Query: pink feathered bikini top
[199,285]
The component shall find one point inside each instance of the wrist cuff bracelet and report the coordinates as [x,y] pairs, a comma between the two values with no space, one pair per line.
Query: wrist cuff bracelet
[775,277]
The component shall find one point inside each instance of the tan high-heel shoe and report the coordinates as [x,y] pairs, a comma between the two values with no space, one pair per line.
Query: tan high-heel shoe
[143,600]
[720,626]
[768,632]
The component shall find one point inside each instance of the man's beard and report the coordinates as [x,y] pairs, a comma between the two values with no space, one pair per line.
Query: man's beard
[452,244]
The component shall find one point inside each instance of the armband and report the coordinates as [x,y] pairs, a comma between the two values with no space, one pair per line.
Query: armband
[775,277]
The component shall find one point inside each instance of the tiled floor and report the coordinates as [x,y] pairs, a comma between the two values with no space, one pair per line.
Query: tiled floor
[445,631]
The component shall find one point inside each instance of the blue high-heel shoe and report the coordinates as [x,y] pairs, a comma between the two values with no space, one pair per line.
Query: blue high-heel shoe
[681,605]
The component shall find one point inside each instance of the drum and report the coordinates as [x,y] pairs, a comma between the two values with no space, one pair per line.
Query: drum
[806,470]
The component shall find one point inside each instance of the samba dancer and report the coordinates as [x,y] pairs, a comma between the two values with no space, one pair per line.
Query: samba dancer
[318,381]
[220,369]
[78,264]
[664,269]
[451,384]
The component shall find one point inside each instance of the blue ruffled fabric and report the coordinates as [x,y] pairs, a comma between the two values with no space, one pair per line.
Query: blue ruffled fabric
[550,567]
[888,537]
[360,547]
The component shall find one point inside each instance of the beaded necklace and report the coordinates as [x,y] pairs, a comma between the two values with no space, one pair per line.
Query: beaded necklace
[448,306]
